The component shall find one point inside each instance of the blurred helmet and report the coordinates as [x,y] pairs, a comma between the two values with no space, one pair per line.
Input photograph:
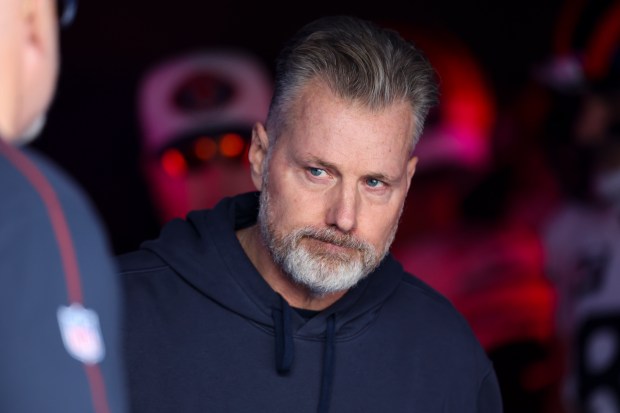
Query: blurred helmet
[196,113]
[458,131]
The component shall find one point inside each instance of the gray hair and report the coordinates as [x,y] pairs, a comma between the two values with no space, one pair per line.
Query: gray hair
[359,61]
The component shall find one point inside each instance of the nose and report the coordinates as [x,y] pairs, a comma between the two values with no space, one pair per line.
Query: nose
[343,208]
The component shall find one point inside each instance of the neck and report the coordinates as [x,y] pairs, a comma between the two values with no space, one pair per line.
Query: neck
[296,295]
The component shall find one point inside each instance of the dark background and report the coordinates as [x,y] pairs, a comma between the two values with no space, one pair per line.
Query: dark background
[92,131]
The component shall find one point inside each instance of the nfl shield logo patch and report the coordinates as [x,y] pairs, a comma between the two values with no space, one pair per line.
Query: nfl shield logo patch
[81,335]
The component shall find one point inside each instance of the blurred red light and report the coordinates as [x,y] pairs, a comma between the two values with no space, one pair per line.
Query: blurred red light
[205,148]
[231,145]
[173,162]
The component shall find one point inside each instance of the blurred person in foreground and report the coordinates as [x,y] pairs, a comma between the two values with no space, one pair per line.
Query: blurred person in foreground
[288,299]
[59,306]
[196,113]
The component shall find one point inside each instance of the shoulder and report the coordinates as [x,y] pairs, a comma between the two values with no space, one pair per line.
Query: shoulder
[424,308]
[49,231]
[427,323]
[411,294]
[417,292]
[140,262]
[33,185]
[40,198]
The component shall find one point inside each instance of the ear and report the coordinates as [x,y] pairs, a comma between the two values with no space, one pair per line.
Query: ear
[411,165]
[258,154]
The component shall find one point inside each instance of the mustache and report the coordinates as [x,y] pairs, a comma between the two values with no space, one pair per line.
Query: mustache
[333,236]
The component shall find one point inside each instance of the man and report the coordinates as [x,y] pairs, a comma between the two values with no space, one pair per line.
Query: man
[196,113]
[288,300]
[59,302]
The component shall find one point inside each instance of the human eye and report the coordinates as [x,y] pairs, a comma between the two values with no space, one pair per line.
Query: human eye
[317,172]
[374,183]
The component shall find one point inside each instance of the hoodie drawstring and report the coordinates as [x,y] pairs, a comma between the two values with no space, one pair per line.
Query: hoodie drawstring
[328,365]
[285,350]
[284,337]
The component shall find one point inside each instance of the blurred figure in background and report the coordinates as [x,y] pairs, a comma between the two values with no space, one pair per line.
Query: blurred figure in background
[458,232]
[59,304]
[582,237]
[196,112]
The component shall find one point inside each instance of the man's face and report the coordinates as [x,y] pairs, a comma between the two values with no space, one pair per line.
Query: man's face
[334,188]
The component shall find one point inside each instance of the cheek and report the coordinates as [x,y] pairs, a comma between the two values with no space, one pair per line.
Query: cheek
[289,202]
[378,224]
[289,208]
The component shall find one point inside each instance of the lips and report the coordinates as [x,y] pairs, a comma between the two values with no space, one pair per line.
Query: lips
[328,248]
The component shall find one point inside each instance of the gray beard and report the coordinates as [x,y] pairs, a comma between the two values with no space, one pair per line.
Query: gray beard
[321,273]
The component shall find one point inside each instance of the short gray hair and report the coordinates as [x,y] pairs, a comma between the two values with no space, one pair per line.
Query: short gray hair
[359,61]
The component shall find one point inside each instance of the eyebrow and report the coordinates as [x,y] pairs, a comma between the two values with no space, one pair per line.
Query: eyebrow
[313,159]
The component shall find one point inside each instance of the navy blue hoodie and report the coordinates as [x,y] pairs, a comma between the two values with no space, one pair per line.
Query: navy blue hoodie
[205,333]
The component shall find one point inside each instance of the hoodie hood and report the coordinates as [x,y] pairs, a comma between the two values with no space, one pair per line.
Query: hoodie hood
[203,247]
